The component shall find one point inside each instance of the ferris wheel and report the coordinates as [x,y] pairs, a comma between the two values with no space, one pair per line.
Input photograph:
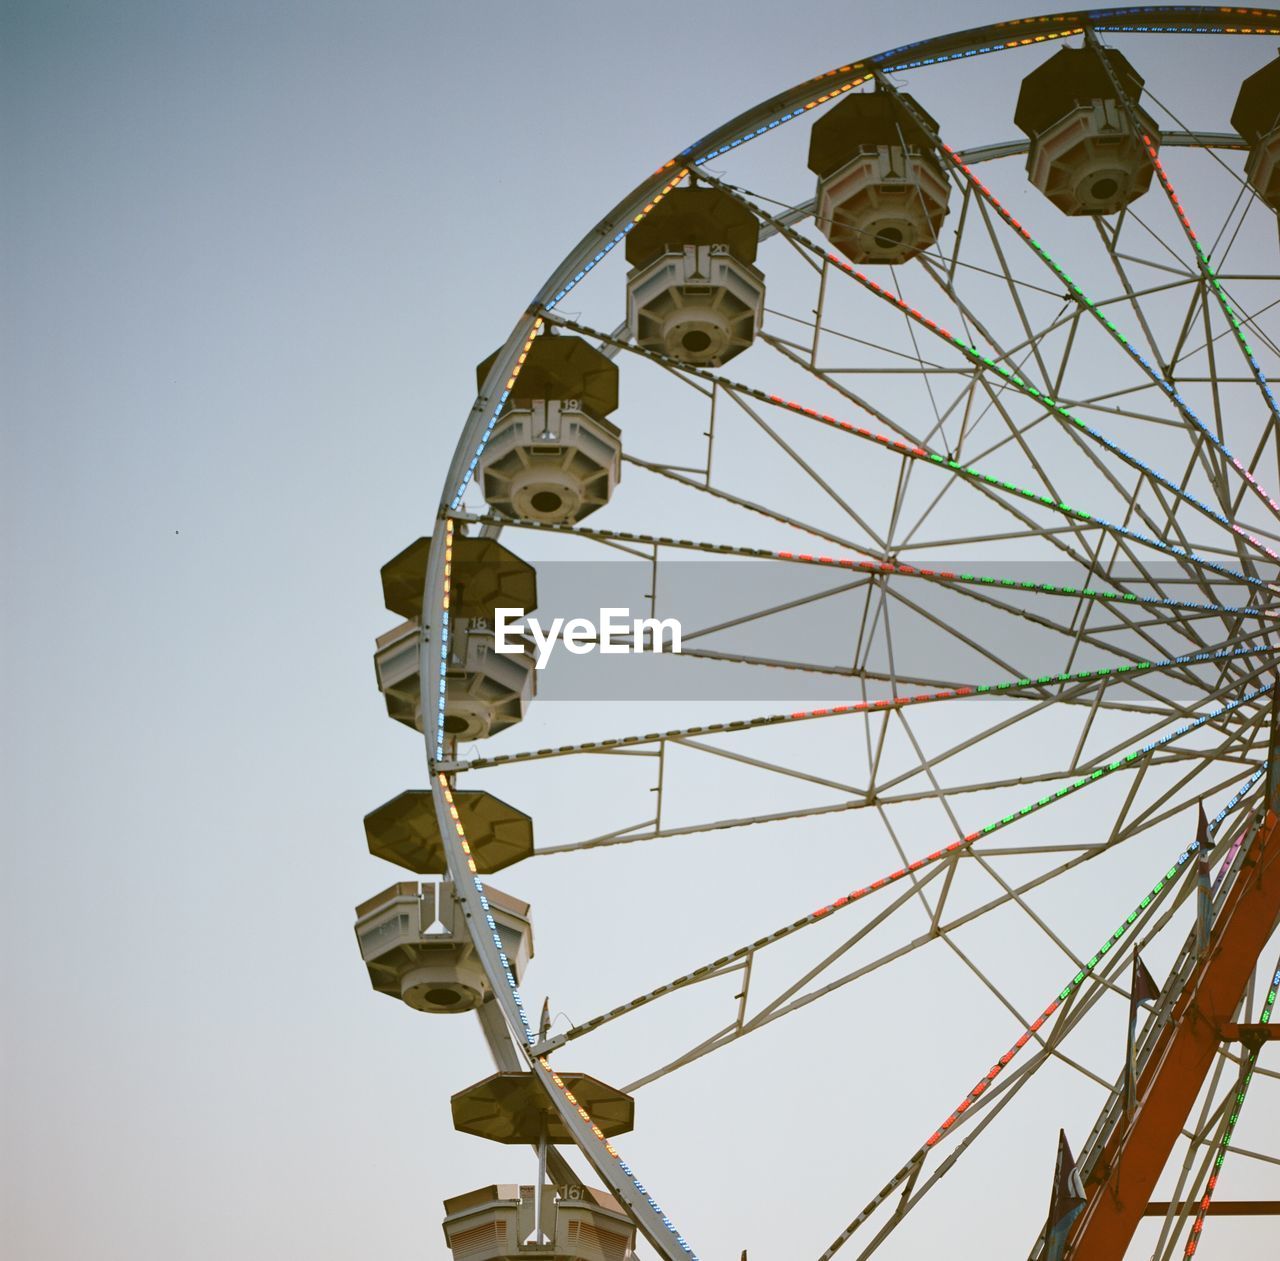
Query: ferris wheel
[923,414]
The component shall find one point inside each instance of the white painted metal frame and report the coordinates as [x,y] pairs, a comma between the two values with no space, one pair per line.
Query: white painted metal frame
[1239,721]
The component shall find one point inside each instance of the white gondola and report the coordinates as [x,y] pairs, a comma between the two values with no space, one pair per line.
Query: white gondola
[1257,118]
[416,947]
[578,1224]
[693,293]
[554,456]
[882,194]
[1087,155]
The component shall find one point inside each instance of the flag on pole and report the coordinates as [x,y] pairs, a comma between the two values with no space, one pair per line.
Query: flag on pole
[1204,885]
[1065,1202]
[1142,989]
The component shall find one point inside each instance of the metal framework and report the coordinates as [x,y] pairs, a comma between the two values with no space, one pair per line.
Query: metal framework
[1094,453]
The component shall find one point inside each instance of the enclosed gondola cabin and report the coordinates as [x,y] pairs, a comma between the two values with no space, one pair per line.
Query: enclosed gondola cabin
[693,292]
[578,1224]
[554,456]
[416,945]
[1088,155]
[882,194]
[1257,118]
[485,691]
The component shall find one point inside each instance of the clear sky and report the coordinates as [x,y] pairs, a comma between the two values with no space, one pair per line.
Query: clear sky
[249,256]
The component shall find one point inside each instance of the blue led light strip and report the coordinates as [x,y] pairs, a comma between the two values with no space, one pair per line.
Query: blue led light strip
[470,470]
[548,305]
[1100,19]
[445,788]
[980,1088]
[551,303]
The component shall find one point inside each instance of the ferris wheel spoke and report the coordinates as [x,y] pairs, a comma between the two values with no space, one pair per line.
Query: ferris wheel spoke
[776,768]
[786,1001]
[817,478]
[926,369]
[1158,359]
[988,198]
[1095,639]
[907,450]
[880,567]
[1202,263]
[1222,244]
[1070,422]
[1213,337]
[1270,435]
[1034,340]
[1074,638]
[1156,479]
[740,501]
[909,870]
[755,615]
[913,680]
[1097,759]
[879,792]
[994,487]
[1100,677]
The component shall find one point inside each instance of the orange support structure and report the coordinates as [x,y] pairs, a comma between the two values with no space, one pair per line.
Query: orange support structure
[1120,1184]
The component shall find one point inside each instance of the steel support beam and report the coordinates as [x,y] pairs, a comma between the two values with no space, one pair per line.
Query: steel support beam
[1218,1208]
[1120,1185]
[1252,1036]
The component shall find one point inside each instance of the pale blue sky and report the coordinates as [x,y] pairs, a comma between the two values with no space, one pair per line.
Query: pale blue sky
[249,256]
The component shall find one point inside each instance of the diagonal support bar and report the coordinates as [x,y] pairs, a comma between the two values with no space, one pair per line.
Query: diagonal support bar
[1253,1036]
[1220,1208]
